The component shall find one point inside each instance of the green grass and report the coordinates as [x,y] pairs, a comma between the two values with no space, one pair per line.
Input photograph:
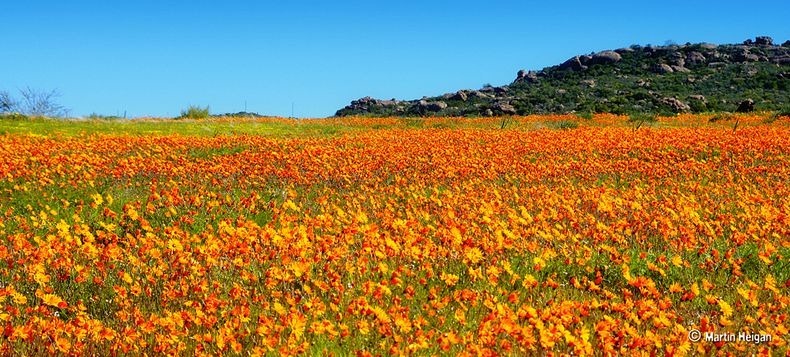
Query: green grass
[563,124]
[281,127]
[144,127]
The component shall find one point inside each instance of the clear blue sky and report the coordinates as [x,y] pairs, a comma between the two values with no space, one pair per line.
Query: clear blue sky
[157,57]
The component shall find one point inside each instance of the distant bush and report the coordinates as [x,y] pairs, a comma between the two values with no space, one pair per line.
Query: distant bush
[640,119]
[506,120]
[14,116]
[563,124]
[195,112]
[413,122]
[697,106]
[96,116]
[782,113]
[240,115]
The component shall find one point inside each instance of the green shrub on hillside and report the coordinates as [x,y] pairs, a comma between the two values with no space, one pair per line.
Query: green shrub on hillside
[195,112]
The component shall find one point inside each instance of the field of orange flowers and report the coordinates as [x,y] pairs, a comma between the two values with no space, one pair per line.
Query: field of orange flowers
[447,237]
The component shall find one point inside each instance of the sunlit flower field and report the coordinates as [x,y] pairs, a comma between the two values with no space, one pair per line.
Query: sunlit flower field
[364,236]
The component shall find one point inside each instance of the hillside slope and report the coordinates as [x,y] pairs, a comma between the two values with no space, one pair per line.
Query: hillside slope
[664,79]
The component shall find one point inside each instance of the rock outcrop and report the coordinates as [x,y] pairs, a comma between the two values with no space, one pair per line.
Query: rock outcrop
[605,57]
[695,58]
[708,77]
[573,64]
[663,68]
[503,109]
[676,105]
[526,76]
[424,107]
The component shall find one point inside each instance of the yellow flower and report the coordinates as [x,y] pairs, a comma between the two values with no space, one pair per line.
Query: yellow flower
[403,324]
[19,299]
[297,324]
[41,277]
[132,213]
[474,255]
[460,316]
[279,309]
[174,244]
[726,309]
[677,261]
[381,315]
[456,234]
[52,300]
[291,205]
[449,279]
[62,226]
[63,344]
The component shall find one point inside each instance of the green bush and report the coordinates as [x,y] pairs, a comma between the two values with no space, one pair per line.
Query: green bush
[15,117]
[639,119]
[195,112]
[413,122]
[505,121]
[784,111]
[781,113]
[97,116]
[563,124]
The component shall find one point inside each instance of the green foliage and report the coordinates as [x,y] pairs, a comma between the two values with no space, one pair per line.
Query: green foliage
[240,115]
[637,120]
[15,117]
[563,124]
[96,116]
[779,114]
[697,106]
[195,112]
[21,124]
[506,120]
[413,122]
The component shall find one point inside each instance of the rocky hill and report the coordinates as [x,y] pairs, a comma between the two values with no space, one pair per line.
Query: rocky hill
[662,79]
